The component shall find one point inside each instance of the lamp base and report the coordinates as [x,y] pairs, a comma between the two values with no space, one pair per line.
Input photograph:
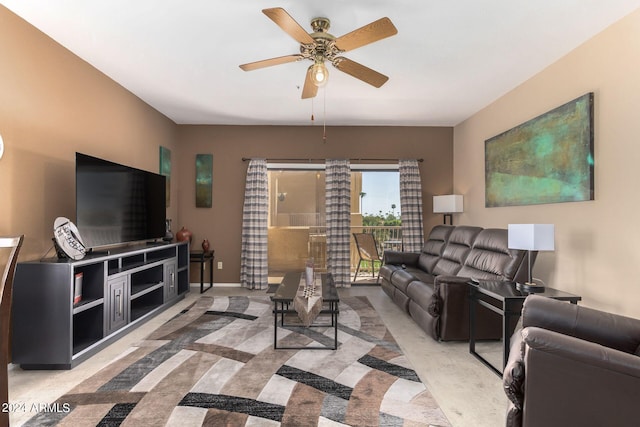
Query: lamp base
[530,288]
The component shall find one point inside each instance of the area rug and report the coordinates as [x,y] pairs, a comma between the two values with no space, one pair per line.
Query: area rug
[214,365]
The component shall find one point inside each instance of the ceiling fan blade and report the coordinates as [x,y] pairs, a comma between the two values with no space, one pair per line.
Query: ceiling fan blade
[270,62]
[309,90]
[361,72]
[288,24]
[377,30]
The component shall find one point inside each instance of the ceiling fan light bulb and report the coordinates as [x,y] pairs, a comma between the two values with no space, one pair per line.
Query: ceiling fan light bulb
[319,74]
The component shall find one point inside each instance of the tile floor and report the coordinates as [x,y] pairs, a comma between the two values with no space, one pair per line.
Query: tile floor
[469,393]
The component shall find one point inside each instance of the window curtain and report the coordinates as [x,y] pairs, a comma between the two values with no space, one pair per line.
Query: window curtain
[338,206]
[254,272]
[411,205]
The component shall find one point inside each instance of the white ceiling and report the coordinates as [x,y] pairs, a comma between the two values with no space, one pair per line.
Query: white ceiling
[449,59]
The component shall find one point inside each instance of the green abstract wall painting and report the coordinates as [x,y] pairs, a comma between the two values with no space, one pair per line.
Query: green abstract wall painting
[204,180]
[165,170]
[548,159]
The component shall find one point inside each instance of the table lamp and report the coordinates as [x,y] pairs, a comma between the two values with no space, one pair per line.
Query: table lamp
[531,237]
[448,205]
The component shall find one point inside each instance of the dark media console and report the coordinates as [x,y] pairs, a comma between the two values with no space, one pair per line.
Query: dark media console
[120,290]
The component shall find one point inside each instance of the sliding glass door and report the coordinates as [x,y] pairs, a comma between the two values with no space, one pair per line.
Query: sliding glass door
[296,219]
[297,215]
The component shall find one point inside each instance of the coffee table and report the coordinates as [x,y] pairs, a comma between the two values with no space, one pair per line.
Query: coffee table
[283,300]
[505,299]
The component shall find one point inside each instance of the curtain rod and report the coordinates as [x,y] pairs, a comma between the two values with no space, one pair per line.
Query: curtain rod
[244,159]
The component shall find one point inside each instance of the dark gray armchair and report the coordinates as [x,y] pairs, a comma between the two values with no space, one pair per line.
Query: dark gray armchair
[573,366]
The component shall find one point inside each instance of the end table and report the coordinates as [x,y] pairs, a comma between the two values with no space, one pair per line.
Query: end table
[505,299]
[201,257]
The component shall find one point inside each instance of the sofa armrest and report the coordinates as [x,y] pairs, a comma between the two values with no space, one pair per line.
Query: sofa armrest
[399,258]
[596,385]
[451,279]
[608,329]
[513,380]
[447,290]
[569,381]
[582,352]
[450,304]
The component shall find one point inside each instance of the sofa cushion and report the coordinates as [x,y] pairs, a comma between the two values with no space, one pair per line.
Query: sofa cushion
[421,293]
[490,258]
[426,321]
[402,278]
[387,270]
[433,247]
[456,251]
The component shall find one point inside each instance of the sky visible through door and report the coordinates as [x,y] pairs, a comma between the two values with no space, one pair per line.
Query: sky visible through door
[382,191]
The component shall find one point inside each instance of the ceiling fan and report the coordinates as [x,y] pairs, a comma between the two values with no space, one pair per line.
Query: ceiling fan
[320,47]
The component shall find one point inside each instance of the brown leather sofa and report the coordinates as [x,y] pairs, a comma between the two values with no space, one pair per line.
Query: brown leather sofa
[431,286]
[573,366]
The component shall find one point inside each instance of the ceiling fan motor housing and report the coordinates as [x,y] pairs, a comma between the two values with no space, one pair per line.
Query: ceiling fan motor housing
[324,47]
[320,25]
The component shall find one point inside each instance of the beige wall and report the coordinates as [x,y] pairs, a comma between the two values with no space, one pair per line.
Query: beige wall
[222,223]
[597,242]
[52,105]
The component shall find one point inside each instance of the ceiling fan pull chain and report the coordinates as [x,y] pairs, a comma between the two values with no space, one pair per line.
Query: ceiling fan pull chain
[324,115]
[312,119]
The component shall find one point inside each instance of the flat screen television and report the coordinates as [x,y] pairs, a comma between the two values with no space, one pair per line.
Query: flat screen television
[117,203]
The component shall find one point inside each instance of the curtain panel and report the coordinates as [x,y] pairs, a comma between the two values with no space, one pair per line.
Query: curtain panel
[254,272]
[411,205]
[338,208]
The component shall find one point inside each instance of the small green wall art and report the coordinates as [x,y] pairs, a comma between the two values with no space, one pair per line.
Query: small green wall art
[548,159]
[165,170]
[204,180]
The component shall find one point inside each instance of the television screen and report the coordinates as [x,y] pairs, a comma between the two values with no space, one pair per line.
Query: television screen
[117,203]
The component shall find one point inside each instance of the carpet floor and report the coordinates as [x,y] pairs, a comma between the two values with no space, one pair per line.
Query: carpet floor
[214,365]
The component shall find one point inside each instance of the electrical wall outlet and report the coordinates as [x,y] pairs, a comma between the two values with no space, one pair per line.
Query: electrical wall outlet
[219,265]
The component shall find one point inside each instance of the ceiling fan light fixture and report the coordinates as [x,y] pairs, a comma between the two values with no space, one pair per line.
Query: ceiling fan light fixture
[319,73]
[322,47]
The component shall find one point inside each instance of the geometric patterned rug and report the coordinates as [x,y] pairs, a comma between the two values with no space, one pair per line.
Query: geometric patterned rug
[214,365]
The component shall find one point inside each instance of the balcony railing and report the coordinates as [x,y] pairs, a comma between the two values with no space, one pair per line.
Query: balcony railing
[290,247]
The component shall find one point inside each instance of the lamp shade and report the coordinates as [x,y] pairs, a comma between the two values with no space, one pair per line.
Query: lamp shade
[532,237]
[451,203]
